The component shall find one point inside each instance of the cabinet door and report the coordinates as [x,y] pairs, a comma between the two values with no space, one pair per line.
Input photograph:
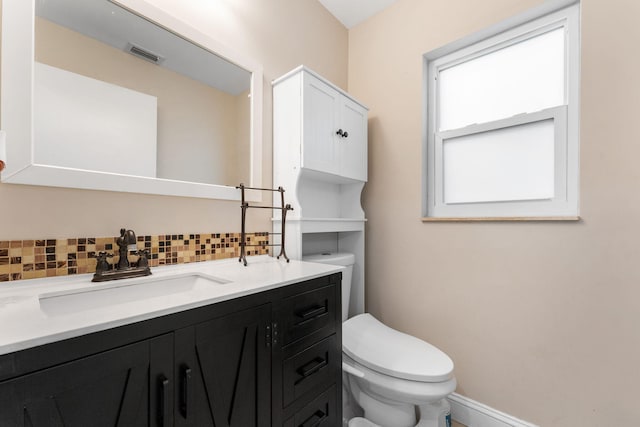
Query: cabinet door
[321,111]
[352,149]
[224,371]
[106,390]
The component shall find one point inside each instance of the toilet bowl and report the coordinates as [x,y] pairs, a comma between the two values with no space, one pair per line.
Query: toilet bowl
[389,374]
[398,373]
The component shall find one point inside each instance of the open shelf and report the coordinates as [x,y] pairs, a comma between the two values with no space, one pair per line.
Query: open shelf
[325,225]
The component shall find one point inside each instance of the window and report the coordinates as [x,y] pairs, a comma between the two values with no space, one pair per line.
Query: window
[501,123]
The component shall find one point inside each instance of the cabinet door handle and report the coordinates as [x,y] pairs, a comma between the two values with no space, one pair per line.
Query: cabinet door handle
[165,403]
[312,367]
[312,313]
[186,393]
[342,133]
[314,420]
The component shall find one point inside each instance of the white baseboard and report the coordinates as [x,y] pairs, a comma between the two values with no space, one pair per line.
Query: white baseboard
[475,414]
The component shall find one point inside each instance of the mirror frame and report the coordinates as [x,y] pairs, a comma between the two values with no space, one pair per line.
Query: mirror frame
[16,116]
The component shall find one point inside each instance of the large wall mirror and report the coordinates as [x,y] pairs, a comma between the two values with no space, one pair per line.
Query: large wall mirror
[121,96]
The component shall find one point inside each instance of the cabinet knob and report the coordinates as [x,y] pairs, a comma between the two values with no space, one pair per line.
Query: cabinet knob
[339,132]
[345,134]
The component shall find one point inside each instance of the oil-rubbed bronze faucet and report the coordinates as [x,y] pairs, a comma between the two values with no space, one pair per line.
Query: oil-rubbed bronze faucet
[126,243]
[124,269]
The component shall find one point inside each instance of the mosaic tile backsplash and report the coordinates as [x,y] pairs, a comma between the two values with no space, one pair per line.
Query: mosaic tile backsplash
[31,259]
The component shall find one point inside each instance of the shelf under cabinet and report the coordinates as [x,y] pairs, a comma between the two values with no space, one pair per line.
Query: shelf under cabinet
[322,225]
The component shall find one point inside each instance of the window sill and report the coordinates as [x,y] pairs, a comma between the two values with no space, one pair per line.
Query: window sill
[501,219]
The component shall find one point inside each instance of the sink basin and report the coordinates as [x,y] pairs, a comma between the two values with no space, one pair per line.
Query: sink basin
[95,297]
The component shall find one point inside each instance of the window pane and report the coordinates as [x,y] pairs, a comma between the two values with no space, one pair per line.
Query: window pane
[514,163]
[521,78]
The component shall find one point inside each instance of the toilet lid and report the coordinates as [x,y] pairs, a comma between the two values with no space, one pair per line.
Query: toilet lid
[385,350]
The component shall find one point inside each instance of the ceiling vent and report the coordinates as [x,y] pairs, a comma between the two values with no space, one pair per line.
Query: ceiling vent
[143,53]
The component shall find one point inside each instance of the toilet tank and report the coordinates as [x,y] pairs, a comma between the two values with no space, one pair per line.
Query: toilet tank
[338,258]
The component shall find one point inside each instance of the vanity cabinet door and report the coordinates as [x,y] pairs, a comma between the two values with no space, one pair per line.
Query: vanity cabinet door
[223,369]
[110,389]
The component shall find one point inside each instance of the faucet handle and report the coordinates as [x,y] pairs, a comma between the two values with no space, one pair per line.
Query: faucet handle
[143,261]
[102,264]
[102,256]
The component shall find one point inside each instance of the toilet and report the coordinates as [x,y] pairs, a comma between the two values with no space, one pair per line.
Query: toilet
[392,376]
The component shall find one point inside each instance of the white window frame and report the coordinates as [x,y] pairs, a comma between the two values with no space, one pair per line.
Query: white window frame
[565,203]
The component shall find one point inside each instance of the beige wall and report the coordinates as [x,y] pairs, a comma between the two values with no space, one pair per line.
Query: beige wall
[279,34]
[541,319]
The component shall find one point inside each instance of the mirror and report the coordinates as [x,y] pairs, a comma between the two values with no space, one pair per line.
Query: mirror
[97,97]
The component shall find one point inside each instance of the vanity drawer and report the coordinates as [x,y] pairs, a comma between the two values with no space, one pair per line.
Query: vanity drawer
[309,312]
[312,369]
[320,412]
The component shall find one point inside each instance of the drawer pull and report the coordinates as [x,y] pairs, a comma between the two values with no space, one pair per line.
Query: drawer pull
[312,313]
[314,420]
[312,367]
[164,417]
[186,393]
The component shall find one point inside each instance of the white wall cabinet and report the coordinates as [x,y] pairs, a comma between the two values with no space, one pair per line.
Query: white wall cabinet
[320,159]
[334,130]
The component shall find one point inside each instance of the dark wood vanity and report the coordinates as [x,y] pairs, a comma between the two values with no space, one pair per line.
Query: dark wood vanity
[268,359]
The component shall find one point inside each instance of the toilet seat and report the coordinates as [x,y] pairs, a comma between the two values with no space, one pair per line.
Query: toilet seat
[386,387]
[390,352]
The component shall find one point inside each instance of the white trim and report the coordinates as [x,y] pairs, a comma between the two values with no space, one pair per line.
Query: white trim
[475,414]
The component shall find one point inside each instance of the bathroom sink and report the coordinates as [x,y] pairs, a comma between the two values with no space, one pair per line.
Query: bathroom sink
[112,294]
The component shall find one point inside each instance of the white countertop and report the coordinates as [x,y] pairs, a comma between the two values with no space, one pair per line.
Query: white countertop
[24,323]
